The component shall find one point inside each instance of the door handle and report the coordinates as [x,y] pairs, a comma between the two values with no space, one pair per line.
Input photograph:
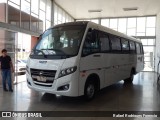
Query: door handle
[96,55]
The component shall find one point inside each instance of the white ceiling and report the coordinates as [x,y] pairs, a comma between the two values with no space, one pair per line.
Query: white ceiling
[110,8]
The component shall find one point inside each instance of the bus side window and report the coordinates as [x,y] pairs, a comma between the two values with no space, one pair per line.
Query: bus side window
[138,49]
[115,43]
[104,42]
[132,47]
[91,44]
[125,45]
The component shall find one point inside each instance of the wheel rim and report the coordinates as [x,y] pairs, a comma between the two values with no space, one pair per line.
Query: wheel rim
[90,91]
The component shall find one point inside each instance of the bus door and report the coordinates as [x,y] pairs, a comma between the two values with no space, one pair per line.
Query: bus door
[92,59]
[107,58]
[139,58]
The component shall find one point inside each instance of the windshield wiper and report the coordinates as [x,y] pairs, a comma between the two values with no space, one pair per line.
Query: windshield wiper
[41,52]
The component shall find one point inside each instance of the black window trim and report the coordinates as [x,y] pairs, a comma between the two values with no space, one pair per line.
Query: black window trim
[125,51]
[115,51]
[102,32]
[82,55]
[132,51]
[139,47]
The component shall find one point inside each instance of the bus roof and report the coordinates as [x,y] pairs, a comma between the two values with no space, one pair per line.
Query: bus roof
[72,23]
[99,27]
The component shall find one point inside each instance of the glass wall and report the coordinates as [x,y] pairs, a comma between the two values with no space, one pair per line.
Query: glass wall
[7,41]
[23,46]
[24,14]
[25,18]
[134,26]
[33,15]
[149,53]
[14,12]
[60,16]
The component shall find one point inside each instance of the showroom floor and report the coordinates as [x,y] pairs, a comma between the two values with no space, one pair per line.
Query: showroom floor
[142,95]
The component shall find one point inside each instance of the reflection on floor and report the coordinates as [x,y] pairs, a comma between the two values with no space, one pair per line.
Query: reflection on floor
[20,78]
[148,68]
[142,95]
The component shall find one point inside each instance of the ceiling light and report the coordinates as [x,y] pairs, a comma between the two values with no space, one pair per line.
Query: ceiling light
[130,9]
[98,10]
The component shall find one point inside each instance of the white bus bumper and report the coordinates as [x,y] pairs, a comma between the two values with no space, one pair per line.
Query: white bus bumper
[60,82]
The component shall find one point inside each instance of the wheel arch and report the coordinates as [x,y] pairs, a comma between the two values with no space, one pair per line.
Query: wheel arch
[95,78]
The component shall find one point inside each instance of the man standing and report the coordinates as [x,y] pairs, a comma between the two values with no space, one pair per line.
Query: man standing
[6,68]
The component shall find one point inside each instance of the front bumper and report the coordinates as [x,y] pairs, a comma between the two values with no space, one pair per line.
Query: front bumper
[69,79]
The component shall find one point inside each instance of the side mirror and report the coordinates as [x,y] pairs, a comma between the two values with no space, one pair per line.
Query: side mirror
[90,30]
[40,36]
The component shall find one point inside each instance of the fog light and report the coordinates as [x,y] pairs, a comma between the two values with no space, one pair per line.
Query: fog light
[64,87]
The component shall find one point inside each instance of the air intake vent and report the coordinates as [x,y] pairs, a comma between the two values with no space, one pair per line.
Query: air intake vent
[43,77]
[130,9]
[98,10]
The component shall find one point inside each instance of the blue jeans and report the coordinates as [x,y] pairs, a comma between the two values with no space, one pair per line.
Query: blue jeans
[6,77]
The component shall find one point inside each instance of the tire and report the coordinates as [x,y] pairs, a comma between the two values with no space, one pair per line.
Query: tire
[130,79]
[90,90]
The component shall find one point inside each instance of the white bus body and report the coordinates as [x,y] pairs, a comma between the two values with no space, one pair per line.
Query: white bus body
[79,58]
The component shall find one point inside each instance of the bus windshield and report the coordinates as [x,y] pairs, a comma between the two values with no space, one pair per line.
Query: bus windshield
[60,41]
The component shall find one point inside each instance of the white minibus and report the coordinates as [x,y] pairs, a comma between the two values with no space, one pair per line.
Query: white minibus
[80,58]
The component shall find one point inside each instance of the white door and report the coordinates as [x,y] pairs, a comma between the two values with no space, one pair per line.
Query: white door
[140,58]
[92,59]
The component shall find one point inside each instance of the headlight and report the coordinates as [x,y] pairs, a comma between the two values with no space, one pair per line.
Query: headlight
[67,71]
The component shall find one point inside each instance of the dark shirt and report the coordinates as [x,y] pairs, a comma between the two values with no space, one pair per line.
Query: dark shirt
[5,62]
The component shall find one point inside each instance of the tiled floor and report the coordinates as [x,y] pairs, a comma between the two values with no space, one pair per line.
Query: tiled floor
[142,95]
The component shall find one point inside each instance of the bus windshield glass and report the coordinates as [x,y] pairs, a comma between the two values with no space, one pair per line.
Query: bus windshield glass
[60,41]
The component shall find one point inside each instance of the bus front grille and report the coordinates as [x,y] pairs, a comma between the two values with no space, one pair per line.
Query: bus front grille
[43,77]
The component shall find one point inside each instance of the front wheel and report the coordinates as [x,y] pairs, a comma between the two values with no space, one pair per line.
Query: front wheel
[89,91]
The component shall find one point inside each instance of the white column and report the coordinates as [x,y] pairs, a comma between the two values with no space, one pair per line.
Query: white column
[157,40]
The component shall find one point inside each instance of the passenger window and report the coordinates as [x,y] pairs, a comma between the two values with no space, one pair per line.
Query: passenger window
[115,43]
[138,49]
[132,47]
[91,44]
[125,44]
[104,42]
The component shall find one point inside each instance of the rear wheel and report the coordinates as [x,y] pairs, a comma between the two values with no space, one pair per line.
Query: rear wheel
[130,79]
[90,90]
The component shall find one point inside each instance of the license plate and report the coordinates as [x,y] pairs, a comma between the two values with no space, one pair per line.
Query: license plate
[41,78]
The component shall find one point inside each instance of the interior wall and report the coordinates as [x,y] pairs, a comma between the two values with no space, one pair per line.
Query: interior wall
[3,12]
[157,40]
[34,41]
